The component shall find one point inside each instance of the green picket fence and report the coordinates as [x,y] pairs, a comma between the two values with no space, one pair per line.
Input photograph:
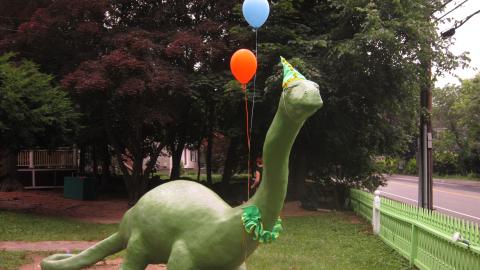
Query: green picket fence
[362,203]
[423,237]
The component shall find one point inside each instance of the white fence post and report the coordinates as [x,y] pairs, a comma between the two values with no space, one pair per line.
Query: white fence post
[376,213]
[30,159]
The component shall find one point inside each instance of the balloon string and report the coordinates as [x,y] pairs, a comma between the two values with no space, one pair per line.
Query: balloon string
[249,130]
[254,83]
[244,86]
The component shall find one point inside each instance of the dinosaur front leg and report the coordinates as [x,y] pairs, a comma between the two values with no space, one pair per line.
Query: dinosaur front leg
[243,267]
[180,258]
[137,255]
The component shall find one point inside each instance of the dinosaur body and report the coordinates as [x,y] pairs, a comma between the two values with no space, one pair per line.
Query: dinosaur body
[189,227]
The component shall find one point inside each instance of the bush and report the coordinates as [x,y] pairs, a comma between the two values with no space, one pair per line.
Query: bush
[389,165]
[446,162]
[411,167]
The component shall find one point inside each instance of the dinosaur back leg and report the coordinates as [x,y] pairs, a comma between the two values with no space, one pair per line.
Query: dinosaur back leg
[90,256]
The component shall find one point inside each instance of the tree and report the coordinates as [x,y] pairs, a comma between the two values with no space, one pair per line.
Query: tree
[59,35]
[135,97]
[365,56]
[470,108]
[15,12]
[33,112]
[449,136]
[126,64]
[457,112]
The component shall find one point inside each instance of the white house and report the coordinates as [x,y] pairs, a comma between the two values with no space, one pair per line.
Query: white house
[189,160]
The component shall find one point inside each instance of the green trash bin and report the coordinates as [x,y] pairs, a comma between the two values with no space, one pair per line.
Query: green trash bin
[80,188]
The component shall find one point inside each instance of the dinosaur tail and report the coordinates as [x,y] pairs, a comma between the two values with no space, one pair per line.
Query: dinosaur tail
[109,246]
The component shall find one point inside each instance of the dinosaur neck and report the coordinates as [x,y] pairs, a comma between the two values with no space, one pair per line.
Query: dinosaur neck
[271,193]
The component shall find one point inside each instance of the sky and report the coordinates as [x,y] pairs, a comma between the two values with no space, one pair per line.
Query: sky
[466,39]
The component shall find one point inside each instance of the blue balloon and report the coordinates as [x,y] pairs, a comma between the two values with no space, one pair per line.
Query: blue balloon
[256,12]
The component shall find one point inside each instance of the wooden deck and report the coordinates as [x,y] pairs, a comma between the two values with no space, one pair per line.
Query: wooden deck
[46,168]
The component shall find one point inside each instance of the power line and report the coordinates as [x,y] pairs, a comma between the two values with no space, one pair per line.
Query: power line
[452,10]
[466,19]
[450,32]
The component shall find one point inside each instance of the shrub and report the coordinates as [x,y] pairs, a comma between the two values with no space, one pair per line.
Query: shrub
[445,162]
[387,165]
[411,167]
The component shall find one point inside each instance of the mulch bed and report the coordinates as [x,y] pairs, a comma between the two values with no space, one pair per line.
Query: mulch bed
[102,265]
[107,210]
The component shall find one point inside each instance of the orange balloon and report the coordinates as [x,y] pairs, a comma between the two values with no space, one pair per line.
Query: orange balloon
[243,65]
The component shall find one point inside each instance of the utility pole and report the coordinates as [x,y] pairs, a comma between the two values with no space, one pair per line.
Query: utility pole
[425,157]
[424,160]
[425,183]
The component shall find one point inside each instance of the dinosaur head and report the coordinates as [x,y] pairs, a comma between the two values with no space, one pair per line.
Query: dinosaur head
[301,97]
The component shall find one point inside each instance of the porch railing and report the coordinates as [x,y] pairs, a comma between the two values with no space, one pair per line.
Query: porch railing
[60,158]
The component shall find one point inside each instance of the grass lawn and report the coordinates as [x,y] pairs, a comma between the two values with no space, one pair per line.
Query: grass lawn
[328,241]
[12,260]
[25,227]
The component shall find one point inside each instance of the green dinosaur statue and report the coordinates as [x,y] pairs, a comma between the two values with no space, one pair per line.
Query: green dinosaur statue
[189,227]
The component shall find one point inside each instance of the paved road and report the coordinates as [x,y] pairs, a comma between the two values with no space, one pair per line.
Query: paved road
[456,198]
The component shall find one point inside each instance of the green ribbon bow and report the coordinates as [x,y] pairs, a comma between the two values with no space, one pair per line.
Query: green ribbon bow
[252,217]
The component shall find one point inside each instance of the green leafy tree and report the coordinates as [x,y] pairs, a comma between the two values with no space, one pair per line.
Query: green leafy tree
[449,136]
[470,109]
[33,112]
[456,114]
[369,58]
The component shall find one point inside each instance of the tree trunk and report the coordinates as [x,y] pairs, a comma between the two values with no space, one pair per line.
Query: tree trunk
[140,181]
[208,159]
[199,165]
[106,162]
[137,182]
[137,188]
[127,175]
[297,188]
[94,160]
[81,165]
[230,161]
[210,128]
[301,175]
[9,182]
[177,150]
